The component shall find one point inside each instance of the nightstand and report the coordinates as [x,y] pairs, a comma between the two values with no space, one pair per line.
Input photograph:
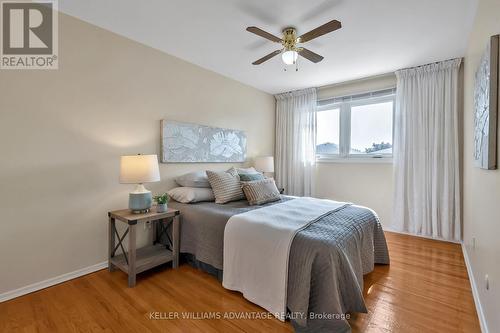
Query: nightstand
[139,260]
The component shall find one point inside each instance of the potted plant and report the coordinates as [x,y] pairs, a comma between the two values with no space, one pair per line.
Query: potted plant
[161,202]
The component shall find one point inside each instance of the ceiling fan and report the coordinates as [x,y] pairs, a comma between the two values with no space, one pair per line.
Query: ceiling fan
[290,51]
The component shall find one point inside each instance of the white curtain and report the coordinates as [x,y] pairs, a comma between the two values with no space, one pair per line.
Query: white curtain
[426,151]
[296,141]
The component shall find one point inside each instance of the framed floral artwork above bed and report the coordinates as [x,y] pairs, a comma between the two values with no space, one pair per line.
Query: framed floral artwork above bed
[486,107]
[192,143]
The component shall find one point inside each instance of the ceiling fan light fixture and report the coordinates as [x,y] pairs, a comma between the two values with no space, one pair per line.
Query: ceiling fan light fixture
[289,57]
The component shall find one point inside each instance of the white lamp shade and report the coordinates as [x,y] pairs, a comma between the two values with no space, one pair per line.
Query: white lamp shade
[138,169]
[264,163]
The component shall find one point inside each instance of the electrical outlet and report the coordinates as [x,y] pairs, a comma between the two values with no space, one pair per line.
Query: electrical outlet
[473,243]
[487,282]
[147,225]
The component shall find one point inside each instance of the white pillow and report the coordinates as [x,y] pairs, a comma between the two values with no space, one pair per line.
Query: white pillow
[193,179]
[247,170]
[191,194]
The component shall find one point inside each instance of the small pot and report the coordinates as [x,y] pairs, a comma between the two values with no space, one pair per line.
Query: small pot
[161,208]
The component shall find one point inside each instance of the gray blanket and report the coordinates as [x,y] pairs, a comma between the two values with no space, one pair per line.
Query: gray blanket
[202,227]
[326,267]
[327,259]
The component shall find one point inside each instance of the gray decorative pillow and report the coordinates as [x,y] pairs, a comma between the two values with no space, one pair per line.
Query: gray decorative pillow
[248,177]
[193,179]
[259,192]
[226,185]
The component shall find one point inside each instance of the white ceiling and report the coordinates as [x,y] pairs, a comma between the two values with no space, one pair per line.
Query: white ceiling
[377,37]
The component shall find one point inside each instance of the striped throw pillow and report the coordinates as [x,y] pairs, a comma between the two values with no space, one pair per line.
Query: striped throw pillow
[259,192]
[226,185]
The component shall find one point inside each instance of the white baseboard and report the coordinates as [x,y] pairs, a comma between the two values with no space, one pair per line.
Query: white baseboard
[52,281]
[421,236]
[475,292]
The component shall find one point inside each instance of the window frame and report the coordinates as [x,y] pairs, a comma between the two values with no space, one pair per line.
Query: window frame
[344,154]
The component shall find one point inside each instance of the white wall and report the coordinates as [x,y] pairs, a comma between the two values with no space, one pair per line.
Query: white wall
[367,184]
[62,133]
[481,187]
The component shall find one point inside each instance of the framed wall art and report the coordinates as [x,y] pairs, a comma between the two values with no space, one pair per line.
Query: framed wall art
[185,142]
[486,107]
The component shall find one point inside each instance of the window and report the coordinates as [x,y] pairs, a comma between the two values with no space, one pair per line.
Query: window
[328,132]
[356,126]
[371,128]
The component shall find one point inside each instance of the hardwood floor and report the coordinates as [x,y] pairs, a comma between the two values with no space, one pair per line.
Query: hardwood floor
[425,289]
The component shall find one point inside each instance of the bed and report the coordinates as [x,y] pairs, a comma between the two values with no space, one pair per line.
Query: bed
[327,258]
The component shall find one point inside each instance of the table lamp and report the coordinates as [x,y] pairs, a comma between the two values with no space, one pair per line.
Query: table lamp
[264,164]
[139,169]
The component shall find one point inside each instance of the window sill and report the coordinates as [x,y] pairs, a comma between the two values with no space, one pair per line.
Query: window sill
[354,160]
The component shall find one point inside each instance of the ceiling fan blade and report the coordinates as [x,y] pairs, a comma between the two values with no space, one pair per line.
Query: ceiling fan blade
[310,55]
[267,57]
[265,34]
[320,31]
